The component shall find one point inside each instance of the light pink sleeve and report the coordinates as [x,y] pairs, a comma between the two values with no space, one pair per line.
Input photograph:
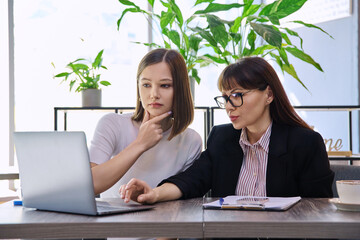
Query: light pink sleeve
[104,140]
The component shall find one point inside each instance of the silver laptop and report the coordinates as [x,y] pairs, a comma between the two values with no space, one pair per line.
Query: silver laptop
[55,175]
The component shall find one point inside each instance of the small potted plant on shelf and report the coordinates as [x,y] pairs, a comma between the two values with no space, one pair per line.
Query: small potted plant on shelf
[85,76]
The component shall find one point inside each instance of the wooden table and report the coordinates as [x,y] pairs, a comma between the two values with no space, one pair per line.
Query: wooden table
[310,218]
[169,219]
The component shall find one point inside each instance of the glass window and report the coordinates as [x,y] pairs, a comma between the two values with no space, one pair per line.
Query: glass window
[58,32]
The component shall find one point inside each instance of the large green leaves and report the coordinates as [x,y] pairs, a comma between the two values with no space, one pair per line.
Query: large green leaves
[256,31]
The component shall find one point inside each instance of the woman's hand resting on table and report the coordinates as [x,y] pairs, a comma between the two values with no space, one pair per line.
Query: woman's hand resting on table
[138,191]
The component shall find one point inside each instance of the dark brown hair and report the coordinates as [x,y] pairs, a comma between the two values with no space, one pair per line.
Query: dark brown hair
[257,73]
[182,105]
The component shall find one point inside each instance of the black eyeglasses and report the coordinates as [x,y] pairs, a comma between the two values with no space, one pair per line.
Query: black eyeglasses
[235,99]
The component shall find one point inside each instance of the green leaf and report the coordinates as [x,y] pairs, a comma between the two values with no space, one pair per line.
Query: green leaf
[236,37]
[293,33]
[174,37]
[274,20]
[286,38]
[194,74]
[166,18]
[217,7]
[89,79]
[262,49]
[72,84]
[78,89]
[303,56]
[133,10]
[185,44]
[194,42]
[105,83]
[218,30]
[165,4]
[96,79]
[235,27]
[278,61]
[312,26]
[151,2]
[78,66]
[284,56]
[177,12]
[128,3]
[251,39]
[216,59]
[245,52]
[202,1]
[291,70]
[250,9]
[63,74]
[206,35]
[268,33]
[167,45]
[151,45]
[282,8]
[98,60]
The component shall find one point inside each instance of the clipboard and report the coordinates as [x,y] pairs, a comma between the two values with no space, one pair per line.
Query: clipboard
[253,203]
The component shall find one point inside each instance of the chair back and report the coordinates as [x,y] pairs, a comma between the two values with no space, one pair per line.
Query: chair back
[344,172]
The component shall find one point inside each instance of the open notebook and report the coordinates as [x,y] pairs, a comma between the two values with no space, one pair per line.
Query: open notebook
[55,175]
[253,203]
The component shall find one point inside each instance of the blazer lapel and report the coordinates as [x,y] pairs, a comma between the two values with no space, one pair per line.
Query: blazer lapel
[234,158]
[277,165]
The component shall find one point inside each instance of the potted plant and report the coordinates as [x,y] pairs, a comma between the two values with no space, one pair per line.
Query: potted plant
[85,76]
[257,31]
[174,32]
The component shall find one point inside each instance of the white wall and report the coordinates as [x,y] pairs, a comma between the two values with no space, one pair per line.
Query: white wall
[338,85]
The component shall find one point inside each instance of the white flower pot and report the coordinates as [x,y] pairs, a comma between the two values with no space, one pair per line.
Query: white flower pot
[91,98]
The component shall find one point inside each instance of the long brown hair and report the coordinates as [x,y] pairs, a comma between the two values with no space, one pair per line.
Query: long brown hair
[257,73]
[182,105]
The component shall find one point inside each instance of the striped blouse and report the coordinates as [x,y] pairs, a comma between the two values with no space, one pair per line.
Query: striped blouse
[252,177]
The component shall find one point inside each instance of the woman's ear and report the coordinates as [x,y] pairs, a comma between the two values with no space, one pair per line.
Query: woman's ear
[269,95]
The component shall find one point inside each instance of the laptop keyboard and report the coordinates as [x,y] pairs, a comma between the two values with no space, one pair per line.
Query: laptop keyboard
[104,206]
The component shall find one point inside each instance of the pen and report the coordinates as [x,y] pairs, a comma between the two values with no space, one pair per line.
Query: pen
[17,203]
[249,207]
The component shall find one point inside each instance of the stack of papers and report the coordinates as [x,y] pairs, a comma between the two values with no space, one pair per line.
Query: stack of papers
[253,203]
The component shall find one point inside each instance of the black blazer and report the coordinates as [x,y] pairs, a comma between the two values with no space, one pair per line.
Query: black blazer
[298,165]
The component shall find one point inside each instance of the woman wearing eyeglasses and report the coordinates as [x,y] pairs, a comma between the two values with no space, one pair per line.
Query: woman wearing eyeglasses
[268,150]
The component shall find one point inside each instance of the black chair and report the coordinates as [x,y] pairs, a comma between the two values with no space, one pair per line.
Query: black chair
[344,172]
